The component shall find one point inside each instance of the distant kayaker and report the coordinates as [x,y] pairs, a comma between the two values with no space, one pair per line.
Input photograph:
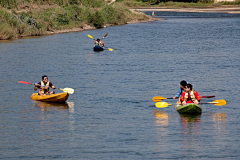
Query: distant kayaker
[43,86]
[183,84]
[189,95]
[99,42]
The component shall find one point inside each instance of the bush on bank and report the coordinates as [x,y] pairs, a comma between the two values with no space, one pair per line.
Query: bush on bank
[24,18]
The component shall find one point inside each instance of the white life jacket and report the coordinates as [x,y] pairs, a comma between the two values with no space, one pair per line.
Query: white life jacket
[98,43]
[193,98]
[44,88]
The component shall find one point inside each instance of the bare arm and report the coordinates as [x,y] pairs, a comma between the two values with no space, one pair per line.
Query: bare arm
[36,86]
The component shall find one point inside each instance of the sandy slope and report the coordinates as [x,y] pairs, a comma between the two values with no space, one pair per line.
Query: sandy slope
[221,9]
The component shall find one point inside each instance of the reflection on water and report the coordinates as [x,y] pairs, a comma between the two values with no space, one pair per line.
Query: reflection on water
[188,118]
[49,106]
[190,123]
[70,107]
[161,123]
[219,121]
[191,129]
[161,117]
[219,117]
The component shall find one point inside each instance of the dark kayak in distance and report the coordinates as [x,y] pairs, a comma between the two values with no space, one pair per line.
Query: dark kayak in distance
[189,108]
[98,48]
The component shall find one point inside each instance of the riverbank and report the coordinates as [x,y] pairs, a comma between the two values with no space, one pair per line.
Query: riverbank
[88,27]
[217,9]
[24,19]
[39,20]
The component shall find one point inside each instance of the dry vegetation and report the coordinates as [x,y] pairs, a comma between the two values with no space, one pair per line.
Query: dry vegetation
[20,18]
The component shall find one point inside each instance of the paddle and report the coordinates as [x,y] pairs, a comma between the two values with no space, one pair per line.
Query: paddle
[220,102]
[110,49]
[90,37]
[94,39]
[68,90]
[105,35]
[160,98]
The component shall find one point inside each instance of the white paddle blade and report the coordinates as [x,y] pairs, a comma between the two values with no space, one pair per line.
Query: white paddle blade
[68,90]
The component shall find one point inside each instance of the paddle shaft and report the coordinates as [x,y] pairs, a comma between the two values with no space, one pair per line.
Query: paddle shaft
[200,97]
[34,84]
[37,84]
[220,102]
[105,35]
[68,90]
[159,98]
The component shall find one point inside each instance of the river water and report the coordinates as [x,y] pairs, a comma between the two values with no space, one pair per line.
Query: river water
[111,115]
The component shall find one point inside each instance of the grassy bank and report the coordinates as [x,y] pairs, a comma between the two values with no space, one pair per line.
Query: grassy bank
[21,18]
[33,18]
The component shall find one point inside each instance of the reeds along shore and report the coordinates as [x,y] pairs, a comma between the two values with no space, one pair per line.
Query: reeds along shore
[21,19]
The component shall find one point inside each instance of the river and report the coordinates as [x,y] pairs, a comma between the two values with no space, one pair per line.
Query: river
[111,115]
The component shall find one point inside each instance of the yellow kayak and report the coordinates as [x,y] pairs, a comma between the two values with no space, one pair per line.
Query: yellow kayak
[60,97]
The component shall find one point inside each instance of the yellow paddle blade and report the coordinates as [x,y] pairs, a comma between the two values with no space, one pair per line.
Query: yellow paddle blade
[90,36]
[158,98]
[110,49]
[220,102]
[162,104]
[68,90]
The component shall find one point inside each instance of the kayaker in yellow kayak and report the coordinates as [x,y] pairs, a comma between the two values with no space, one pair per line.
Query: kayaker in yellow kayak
[99,42]
[189,96]
[43,86]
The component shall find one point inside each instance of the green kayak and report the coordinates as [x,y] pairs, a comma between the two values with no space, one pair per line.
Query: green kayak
[190,108]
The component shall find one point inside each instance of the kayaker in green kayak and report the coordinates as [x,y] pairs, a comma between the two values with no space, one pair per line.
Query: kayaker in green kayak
[43,86]
[183,84]
[189,95]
